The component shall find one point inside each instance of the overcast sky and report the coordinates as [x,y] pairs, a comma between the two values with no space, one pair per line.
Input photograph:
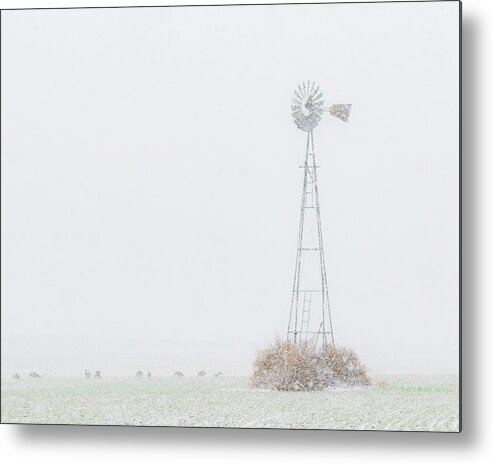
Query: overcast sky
[151,189]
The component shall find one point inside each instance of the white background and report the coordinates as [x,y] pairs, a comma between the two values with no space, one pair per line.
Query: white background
[95,444]
[153,153]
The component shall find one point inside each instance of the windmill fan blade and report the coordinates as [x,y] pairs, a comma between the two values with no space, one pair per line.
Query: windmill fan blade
[341,111]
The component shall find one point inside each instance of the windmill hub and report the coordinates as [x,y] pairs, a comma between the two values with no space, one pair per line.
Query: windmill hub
[307,106]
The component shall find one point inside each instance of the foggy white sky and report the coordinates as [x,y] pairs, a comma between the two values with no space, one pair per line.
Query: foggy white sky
[151,189]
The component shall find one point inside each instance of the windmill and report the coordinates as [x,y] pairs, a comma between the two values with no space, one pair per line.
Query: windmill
[309,316]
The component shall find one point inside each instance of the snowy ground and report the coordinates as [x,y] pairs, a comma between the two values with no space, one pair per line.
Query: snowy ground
[395,403]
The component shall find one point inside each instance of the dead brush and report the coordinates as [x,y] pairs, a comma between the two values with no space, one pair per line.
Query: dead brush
[285,366]
[341,366]
[288,366]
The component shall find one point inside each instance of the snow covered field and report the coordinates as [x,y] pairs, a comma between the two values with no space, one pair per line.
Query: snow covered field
[395,403]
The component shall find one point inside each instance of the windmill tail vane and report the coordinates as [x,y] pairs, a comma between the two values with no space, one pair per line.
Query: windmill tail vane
[340,111]
[310,315]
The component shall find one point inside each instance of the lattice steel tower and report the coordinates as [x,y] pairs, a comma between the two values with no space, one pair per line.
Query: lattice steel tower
[309,316]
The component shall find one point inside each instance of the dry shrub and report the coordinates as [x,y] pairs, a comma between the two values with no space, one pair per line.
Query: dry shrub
[288,366]
[341,366]
[285,366]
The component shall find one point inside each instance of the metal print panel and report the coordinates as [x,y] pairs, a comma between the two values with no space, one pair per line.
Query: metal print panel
[232,216]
